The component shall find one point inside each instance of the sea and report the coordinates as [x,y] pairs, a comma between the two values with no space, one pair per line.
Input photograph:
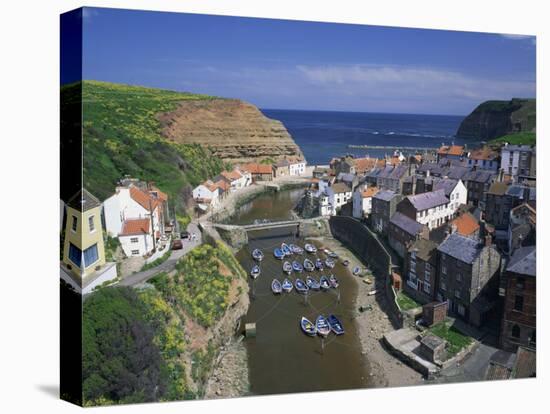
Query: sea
[323,135]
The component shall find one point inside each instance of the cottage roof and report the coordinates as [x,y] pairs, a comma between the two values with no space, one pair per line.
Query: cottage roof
[479,176]
[232,175]
[365,164]
[428,200]
[346,177]
[340,188]
[524,261]
[498,188]
[424,249]
[369,192]
[406,224]
[83,201]
[144,199]
[522,192]
[456,172]
[282,163]
[466,224]
[257,168]
[155,191]
[133,227]
[385,195]
[447,185]
[484,153]
[451,150]
[460,247]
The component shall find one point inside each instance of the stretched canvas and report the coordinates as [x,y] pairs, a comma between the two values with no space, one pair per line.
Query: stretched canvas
[257,206]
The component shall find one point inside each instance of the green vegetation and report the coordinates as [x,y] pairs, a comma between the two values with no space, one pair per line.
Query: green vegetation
[455,339]
[122,136]
[183,221]
[519,138]
[158,261]
[405,302]
[111,244]
[202,282]
[268,161]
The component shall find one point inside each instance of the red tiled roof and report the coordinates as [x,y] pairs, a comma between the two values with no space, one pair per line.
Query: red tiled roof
[484,153]
[369,192]
[451,150]
[144,199]
[466,224]
[135,227]
[257,168]
[365,164]
[232,175]
[161,195]
[223,185]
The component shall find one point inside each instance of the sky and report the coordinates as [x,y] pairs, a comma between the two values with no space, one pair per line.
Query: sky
[282,64]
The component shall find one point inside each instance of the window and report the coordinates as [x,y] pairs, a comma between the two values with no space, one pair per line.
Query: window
[75,254]
[427,286]
[135,252]
[459,277]
[134,240]
[516,332]
[518,303]
[444,269]
[91,223]
[457,294]
[91,255]
[461,310]
[75,223]
[443,285]
[520,283]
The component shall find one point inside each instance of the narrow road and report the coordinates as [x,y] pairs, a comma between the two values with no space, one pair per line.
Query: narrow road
[169,264]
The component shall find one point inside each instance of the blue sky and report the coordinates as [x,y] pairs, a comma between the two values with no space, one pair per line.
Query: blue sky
[306,65]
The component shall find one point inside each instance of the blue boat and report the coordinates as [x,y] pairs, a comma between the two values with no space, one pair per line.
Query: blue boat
[301,287]
[287,267]
[276,286]
[308,327]
[333,281]
[258,255]
[255,271]
[308,265]
[310,248]
[319,264]
[329,263]
[335,325]
[278,253]
[287,286]
[296,249]
[286,250]
[312,283]
[322,326]
[297,266]
[324,282]
[356,270]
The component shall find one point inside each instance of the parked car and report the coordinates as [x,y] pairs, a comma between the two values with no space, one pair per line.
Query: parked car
[184,234]
[177,244]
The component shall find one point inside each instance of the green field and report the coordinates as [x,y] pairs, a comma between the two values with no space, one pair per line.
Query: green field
[455,339]
[520,138]
[122,136]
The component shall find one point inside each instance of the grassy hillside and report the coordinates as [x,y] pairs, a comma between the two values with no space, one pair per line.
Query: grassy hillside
[520,138]
[121,135]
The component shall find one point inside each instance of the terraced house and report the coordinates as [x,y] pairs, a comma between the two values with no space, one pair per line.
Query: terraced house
[421,270]
[431,209]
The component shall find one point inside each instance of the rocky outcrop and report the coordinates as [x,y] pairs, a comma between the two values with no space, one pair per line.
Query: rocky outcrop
[493,119]
[234,130]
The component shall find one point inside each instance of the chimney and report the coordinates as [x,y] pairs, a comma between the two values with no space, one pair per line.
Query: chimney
[428,173]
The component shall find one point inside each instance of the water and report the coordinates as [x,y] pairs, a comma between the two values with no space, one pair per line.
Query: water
[324,134]
[281,358]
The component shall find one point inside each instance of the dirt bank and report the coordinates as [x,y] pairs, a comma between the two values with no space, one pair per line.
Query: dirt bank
[384,369]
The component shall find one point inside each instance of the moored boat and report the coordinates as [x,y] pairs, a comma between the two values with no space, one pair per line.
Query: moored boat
[335,325]
[356,270]
[286,250]
[308,265]
[312,283]
[287,286]
[333,281]
[278,253]
[296,249]
[287,267]
[345,262]
[322,326]
[276,286]
[329,263]
[324,283]
[255,271]
[333,255]
[319,264]
[310,248]
[297,266]
[301,287]
[308,327]
[258,255]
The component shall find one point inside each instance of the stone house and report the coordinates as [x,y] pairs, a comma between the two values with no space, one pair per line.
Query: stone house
[403,231]
[478,183]
[333,198]
[392,177]
[362,201]
[502,198]
[259,172]
[518,160]
[468,277]
[430,208]
[384,205]
[281,168]
[519,322]
[522,227]
[420,270]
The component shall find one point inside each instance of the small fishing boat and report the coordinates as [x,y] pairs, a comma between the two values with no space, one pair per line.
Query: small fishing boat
[296,249]
[278,253]
[308,327]
[287,286]
[286,250]
[287,267]
[324,282]
[310,248]
[308,265]
[356,270]
[333,255]
[255,271]
[319,264]
[327,251]
[312,283]
[301,287]
[333,281]
[329,263]
[322,326]
[345,262]
[335,325]
[297,266]
[258,255]
[276,286]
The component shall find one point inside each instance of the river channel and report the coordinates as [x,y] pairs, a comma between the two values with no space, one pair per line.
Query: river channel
[281,358]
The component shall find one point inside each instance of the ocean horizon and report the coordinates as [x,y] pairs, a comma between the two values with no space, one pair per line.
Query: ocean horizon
[323,135]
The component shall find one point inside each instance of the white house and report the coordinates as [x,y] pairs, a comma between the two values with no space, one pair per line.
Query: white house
[207,193]
[429,208]
[518,160]
[131,202]
[237,179]
[297,167]
[362,201]
[333,198]
[455,191]
[135,237]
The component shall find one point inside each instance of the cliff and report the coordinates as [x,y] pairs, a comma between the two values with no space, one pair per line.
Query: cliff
[233,130]
[493,119]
